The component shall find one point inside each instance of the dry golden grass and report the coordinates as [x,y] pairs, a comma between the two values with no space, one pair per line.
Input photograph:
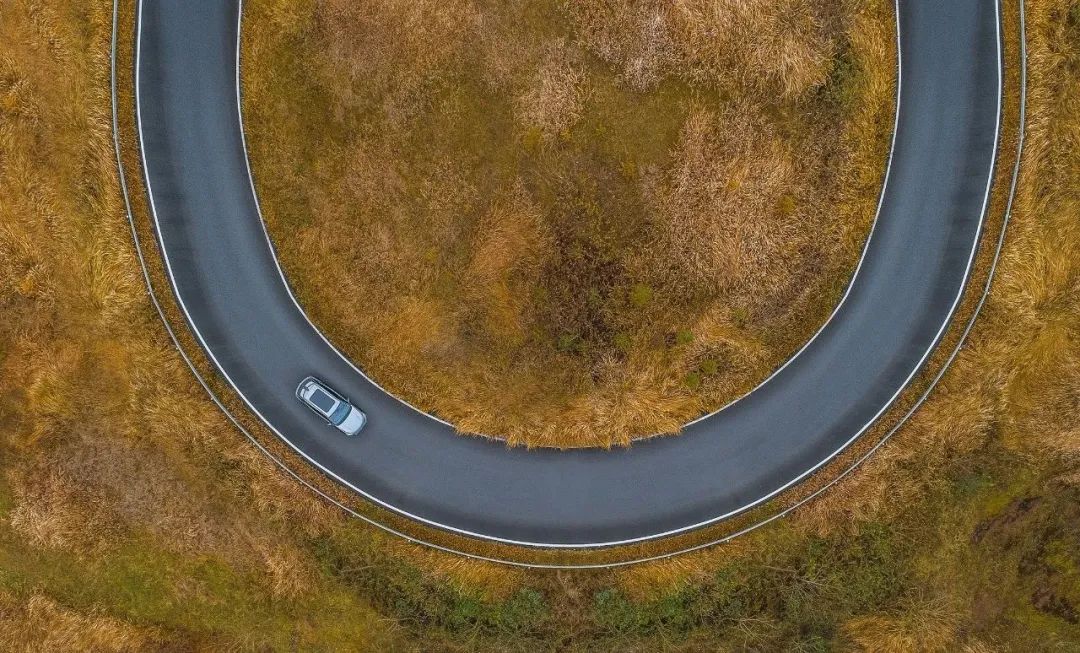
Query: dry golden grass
[133,517]
[569,223]
[769,47]
[998,438]
[96,405]
[923,627]
[40,624]
[1019,376]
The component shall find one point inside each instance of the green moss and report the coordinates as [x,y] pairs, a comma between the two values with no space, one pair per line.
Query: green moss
[786,204]
[570,343]
[614,612]
[622,342]
[971,483]
[640,295]
[797,588]
[419,602]
[532,139]
[635,129]
[137,581]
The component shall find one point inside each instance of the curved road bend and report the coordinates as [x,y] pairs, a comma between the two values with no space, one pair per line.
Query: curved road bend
[227,281]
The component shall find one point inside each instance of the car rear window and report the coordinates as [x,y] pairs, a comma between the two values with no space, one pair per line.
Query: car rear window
[322,401]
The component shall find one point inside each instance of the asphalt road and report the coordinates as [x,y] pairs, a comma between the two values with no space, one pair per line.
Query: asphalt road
[226,278]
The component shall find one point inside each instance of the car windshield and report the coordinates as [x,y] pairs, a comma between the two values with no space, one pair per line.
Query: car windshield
[340,414]
[322,401]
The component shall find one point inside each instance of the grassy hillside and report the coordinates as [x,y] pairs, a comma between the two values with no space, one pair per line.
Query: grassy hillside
[568,223]
[131,518]
[134,518]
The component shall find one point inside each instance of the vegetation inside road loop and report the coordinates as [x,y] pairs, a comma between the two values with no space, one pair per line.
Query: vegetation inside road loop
[569,223]
[133,517]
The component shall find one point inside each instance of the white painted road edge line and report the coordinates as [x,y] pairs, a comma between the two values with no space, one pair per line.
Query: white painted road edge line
[758,501]
[752,527]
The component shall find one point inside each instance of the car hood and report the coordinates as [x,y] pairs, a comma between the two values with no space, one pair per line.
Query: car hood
[354,422]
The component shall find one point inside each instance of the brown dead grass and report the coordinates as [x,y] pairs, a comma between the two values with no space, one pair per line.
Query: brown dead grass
[117,477]
[574,223]
[1013,394]
[925,627]
[132,517]
[769,47]
[1017,378]
[96,407]
[40,624]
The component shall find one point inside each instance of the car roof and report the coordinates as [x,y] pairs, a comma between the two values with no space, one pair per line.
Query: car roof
[323,400]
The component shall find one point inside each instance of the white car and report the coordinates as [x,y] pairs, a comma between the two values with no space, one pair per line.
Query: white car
[329,405]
